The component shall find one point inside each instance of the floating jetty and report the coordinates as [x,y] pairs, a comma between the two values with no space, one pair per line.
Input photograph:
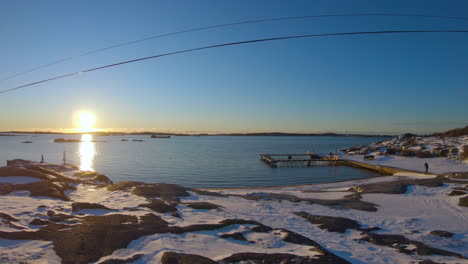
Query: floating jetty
[273,160]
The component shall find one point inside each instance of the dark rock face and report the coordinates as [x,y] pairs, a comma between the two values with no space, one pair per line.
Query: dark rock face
[97,236]
[45,188]
[159,206]
[208,193]
[441,233]
[93,177]
[394,187]
[261,229]
[400,242]
[81,206]
[6,188]
[19,171]
[170,257]
[331,224]
[397,187]
[463,201]
[349,202]
[122,261]
[203,206]
[37,221]
[236,236]
[278,258]
[8,217]
[457,193]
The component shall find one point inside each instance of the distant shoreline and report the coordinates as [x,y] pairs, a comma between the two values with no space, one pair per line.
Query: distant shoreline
[261,134]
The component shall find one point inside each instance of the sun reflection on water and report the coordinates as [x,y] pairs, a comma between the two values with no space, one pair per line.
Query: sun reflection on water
[87,152]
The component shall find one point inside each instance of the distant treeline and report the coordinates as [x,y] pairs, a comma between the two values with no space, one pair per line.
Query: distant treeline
[264,134]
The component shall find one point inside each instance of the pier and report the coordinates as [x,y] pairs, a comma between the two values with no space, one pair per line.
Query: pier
[273,160]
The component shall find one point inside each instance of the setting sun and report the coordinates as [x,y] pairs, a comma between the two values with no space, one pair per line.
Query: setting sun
[86,120]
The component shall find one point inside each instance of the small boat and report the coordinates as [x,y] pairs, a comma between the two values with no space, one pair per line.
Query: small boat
[160,136]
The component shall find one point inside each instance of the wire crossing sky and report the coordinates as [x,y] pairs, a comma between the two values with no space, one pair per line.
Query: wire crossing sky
[233,44]
[242,66]
[227,25]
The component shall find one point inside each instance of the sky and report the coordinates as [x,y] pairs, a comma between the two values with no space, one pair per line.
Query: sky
[346,84]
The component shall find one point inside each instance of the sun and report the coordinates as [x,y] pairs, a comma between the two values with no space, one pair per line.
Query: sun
[86,121]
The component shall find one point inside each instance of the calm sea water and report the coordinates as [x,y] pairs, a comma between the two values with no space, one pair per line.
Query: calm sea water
[207,161]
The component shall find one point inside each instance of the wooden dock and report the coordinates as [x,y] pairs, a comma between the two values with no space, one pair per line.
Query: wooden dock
[273,160]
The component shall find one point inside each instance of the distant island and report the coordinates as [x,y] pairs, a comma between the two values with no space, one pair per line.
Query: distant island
[261,134]
[449,133]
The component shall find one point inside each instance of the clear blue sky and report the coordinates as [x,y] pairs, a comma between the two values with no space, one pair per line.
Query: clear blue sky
[358,84]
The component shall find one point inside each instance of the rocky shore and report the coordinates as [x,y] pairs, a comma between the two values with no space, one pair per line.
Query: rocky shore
[409,145]
[53,213]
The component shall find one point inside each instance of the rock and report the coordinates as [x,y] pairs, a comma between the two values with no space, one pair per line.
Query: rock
[18,162]
[393,187]
[19,171]
[236,236]
[80,206]
[61,140]
[261,229]
[170,257]
[400,242]
[457,193]
[441,233]
[349,202]
[91,176]
[122,261]
[166,191]
[98,236]
[8,217]
[203,206]
[37,221]
[406,136]
[27,141]
[159,206]
[330,223]
[6,188]
[280,258]
[463,201]
[208,193]
[428,262]
[44,188]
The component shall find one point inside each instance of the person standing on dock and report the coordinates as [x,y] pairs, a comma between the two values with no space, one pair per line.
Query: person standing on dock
[426,166]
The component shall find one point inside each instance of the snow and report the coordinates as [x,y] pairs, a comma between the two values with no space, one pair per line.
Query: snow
[413,214]
[27,251]
[436,165]
[18,179]
[113,200]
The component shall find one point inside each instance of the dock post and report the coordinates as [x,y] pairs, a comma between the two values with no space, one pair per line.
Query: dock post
[64,158]
[42,158]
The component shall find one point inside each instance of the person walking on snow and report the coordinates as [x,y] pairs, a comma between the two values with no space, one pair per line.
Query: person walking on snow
[427,166]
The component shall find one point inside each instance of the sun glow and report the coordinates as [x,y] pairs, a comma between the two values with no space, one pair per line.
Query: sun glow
[84,121]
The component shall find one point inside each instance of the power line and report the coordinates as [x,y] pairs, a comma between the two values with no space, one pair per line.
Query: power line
[233,44]
[223,25]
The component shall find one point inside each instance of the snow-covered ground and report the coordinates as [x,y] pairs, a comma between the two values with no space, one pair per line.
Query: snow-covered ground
[413,214]
[436,165]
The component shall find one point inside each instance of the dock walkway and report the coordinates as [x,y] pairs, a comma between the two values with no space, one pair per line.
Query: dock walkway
[273,160]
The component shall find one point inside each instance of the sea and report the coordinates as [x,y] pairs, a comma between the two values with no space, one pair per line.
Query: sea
[190,161]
